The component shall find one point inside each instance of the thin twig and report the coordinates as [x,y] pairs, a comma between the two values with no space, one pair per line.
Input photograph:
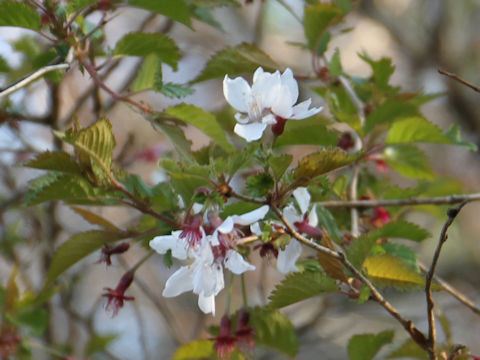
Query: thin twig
[408,325]
[32,77]
[353,196]
[452,291]
[441,200]
[432,337]
[459,79]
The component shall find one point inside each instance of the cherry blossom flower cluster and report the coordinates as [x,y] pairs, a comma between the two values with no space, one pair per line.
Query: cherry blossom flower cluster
[269,101]
[210,245]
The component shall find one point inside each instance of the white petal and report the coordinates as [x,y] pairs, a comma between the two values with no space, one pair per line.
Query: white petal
[236,263]
[266,87]
[207,304]
[300,111]
[242,118]
[289,81]
[237,92]
[291,214]
[312,217]
[269,119]
[252,216]
[287,258]
[162,244]
[179,282]
[257,74]
[226,226]
[197,208]
[303,197]
[255,229]
[250,132]
[283,104]
[205,272]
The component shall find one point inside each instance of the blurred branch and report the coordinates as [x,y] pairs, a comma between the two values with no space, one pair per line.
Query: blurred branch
[32,77]
[441,200]
[431,342]
[459,79]
[452,291]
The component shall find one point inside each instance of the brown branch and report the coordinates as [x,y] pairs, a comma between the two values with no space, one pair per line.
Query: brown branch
[408,325]
[441,200]
[452,291]
[431,342]
[459,79]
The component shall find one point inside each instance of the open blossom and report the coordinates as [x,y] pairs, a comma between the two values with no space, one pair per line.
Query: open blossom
[271,99]
[304,223]
[210,254]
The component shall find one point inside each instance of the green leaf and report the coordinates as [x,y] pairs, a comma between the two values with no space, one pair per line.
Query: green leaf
[409,161]
[143,44]
[203,120]
[274,330]
[33,317]
[403,252]
[177,138]
[259,185]
[327,221]
[299,286]
[366,346]
[455,136]
[55,161]
[317,19]
[176,90]
[70,188]
[320,163]
[358,251]
[382,70]
[409,349]
[148,74]
[239,207]
[415,129]
[99,342]
[75,249]
[280,164]
[94,149]
[388,112]
[335,65]
[4,67]
[14,13]
[403,229]
[197,349]
[388,270]
[174,9]
[307,132]
[205,15]
[234,61]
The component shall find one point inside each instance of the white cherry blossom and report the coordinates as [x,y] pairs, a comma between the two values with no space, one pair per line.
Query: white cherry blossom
[287,258]
[271,95]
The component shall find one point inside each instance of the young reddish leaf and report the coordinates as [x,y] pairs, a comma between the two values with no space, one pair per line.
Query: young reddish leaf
[332,266]
[236,60]
[366,346]
[320,163]
[299,286]
[274,330]
[95,219]
[14,13]
[143,44]
[174,9]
